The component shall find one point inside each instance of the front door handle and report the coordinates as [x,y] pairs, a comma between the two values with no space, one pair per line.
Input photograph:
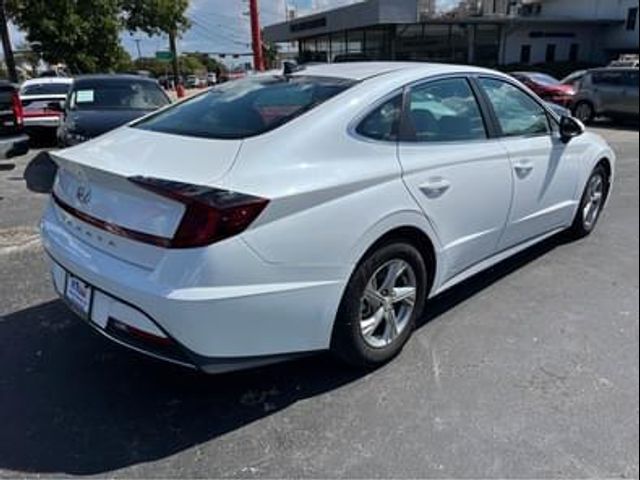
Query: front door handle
[523,168]
[435,187]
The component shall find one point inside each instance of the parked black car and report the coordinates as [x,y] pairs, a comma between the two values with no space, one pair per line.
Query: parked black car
[99,103]
[13,140]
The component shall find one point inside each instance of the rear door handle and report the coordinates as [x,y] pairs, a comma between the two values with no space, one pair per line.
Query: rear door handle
[523,168]
[435,187]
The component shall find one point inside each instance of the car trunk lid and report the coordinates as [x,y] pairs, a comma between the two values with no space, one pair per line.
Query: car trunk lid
[94,191]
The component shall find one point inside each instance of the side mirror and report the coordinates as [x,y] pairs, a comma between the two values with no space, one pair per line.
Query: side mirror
[56,106]
[570,128]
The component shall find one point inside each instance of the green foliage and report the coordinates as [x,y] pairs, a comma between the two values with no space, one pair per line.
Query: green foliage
[82,34]
[85,34]
[271,52]
[156,17]
[191,63]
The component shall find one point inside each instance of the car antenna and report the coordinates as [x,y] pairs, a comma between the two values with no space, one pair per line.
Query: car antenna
[291,67]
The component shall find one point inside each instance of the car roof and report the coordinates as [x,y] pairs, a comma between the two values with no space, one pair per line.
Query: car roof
[614,69]
[47,81]
[115,77]
[359,71]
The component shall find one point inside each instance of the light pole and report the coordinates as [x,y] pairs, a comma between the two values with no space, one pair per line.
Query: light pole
[256,36]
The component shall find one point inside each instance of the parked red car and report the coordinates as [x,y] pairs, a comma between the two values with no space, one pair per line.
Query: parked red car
[547,87]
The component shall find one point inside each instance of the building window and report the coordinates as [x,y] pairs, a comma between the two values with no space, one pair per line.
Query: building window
[525,54]
[574,52]
[632,18]
[550,56]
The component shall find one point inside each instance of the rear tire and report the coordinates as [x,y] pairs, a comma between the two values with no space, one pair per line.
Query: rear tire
[591,204]
[380,305]
[585,112]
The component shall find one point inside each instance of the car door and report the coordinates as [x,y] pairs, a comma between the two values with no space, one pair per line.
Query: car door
[545,169]
[609,91]
[458,174]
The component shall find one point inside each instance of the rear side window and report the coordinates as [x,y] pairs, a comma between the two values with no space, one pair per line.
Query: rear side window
[383,123]
[445,110]
[518,113]
[245,108]
[46,89]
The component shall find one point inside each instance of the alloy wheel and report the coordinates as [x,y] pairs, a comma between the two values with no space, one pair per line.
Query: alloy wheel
[388,303]
[594,201]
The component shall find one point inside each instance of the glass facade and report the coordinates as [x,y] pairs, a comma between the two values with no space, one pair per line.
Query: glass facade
[455,43]
[371,43]
[437,9]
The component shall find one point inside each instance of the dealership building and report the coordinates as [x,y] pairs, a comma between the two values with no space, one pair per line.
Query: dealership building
[485,32]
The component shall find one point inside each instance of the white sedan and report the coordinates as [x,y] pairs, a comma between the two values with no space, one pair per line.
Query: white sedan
[313,210]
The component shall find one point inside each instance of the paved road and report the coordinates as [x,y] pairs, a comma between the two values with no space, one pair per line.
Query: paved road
[530,370]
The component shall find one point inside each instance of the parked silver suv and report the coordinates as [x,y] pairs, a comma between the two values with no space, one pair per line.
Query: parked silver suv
[608,91]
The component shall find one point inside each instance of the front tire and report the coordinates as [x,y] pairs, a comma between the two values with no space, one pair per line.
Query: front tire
[584,112]
[591,204]
[381,303]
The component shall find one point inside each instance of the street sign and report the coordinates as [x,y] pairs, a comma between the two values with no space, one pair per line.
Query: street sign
[164,56]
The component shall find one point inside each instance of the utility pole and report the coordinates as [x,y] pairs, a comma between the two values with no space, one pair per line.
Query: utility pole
[173,47]
[256,36]
[6,45]
[138,42]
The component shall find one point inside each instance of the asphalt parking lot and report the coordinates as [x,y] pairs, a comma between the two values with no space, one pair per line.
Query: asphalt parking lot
[527,371]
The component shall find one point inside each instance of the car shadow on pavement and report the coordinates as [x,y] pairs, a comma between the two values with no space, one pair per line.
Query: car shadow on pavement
[71,402]
[40,173]
[628,125]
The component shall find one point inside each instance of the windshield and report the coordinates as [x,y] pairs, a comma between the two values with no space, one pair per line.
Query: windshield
[45,89]
[544,79]
[245,108]
[125,95]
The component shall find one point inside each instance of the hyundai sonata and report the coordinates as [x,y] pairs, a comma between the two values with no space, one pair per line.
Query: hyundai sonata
[312,210]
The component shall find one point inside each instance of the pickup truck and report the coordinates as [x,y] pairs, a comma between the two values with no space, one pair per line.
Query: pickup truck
[13,140]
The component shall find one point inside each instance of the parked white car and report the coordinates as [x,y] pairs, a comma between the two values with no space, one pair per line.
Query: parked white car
[287,214]
[39,96]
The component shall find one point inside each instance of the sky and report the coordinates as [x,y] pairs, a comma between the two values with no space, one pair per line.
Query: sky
[218,26]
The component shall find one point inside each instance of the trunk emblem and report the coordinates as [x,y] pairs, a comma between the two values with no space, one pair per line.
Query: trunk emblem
[83,194]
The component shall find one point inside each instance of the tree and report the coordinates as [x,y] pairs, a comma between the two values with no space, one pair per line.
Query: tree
[6,44]
[158,17]
[270,53]
[82,34]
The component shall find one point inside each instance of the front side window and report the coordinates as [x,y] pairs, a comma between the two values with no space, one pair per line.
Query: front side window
[383,122]
[612,79]
[114,95]
[518,114]
[632,79]
[444,111]
[245,108]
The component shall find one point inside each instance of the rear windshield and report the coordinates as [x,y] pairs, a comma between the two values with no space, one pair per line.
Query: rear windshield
[245,108]
[124,95]
[46,89]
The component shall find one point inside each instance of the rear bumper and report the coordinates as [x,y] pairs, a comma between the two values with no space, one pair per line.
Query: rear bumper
[14,146]
[42,122]
[216,324]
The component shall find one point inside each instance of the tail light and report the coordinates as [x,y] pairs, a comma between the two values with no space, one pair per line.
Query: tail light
[211,214]
[18,110]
